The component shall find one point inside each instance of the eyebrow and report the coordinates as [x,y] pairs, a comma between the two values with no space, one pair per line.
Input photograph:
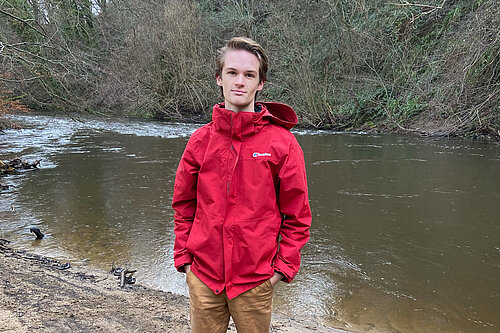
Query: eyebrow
[234,69]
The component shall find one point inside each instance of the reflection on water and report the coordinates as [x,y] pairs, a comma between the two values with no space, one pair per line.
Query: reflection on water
[421,221]
[405,237]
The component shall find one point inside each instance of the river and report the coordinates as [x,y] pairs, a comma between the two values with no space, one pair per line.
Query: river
[405,235]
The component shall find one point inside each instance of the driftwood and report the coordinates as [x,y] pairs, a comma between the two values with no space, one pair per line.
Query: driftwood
[37,232]
[16,164]
[4,243]
[124,274]
[8,167]
[126,277]
[47,262]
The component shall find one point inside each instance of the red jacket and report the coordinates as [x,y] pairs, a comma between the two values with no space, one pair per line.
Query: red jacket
[241,188]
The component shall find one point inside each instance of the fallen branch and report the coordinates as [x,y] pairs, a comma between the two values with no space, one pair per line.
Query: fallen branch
[47,262]
[430,8]
[124,274]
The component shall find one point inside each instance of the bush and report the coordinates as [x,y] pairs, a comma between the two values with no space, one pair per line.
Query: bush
[362,64]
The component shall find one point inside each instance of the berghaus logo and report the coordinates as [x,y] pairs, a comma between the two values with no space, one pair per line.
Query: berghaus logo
[261,154]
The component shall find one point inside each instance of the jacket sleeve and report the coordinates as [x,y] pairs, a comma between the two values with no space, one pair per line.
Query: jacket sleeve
[294,206]
[184,203]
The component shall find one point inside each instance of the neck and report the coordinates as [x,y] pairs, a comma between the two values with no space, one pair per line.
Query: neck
[236,108]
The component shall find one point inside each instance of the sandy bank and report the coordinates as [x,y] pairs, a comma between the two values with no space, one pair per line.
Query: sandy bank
[38,295]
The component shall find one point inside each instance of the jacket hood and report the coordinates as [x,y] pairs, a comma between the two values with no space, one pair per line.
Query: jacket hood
[280,114]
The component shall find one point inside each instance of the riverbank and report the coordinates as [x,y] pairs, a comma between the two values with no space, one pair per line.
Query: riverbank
[39,294]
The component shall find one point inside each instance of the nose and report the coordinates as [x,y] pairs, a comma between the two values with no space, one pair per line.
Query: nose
[240,80]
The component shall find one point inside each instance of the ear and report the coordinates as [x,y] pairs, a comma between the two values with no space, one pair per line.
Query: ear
[260,86]
[219,80]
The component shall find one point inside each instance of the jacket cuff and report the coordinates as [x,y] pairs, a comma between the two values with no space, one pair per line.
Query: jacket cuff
[283,269]
[186,259]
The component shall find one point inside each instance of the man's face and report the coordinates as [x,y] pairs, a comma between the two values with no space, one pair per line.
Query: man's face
[240,80]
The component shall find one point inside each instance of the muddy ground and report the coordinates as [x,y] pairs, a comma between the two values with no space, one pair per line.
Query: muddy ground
[38,294]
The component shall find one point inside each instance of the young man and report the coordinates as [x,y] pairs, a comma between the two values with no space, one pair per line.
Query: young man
[240,198]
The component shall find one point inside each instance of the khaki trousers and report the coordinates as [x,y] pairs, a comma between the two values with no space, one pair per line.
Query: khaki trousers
[251,311]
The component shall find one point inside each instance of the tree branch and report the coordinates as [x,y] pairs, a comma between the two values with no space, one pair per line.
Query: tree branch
[23,21]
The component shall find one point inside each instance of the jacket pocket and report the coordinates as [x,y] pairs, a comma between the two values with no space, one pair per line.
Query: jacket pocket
[255,246]
[205,244]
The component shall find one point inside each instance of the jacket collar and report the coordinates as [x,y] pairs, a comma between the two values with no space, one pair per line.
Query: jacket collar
[238,125]
[241,125]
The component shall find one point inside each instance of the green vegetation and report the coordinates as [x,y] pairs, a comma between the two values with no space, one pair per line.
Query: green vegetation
[429,67]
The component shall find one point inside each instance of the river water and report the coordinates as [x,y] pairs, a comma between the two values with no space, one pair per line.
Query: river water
[405,235]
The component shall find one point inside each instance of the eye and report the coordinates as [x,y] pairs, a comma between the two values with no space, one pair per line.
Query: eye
[231,72]
[250,75]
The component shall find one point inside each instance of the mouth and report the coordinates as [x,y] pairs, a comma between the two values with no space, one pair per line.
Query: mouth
[238,92]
